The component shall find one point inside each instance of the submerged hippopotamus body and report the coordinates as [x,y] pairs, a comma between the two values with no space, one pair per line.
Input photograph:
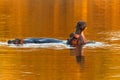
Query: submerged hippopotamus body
[34,40]
[76,38]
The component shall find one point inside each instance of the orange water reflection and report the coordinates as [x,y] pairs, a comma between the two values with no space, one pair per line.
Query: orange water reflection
[57,18]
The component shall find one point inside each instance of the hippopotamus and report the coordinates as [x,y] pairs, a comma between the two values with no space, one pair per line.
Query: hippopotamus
[76,38]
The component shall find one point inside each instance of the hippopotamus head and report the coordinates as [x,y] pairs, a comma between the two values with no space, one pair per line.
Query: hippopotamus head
[15,41]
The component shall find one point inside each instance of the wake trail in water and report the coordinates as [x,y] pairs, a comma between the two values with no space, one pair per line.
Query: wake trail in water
[3,43]
[97,45]
[52,45]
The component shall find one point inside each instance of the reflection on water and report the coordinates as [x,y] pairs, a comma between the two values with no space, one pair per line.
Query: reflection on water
[57,19]
[79,54]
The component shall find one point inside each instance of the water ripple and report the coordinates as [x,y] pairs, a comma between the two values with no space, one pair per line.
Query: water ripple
[53,45]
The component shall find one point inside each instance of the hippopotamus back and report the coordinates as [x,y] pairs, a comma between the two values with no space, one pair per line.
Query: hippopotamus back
[41,40]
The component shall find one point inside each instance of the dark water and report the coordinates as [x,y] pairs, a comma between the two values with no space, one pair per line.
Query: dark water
[56,19]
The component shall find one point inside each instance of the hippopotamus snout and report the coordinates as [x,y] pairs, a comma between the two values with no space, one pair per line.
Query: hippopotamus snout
[10,42]
[16,41]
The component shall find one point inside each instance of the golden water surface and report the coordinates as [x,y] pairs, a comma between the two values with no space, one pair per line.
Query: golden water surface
[57,19]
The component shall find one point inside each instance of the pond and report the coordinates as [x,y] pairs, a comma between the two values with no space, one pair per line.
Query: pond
[57,19]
